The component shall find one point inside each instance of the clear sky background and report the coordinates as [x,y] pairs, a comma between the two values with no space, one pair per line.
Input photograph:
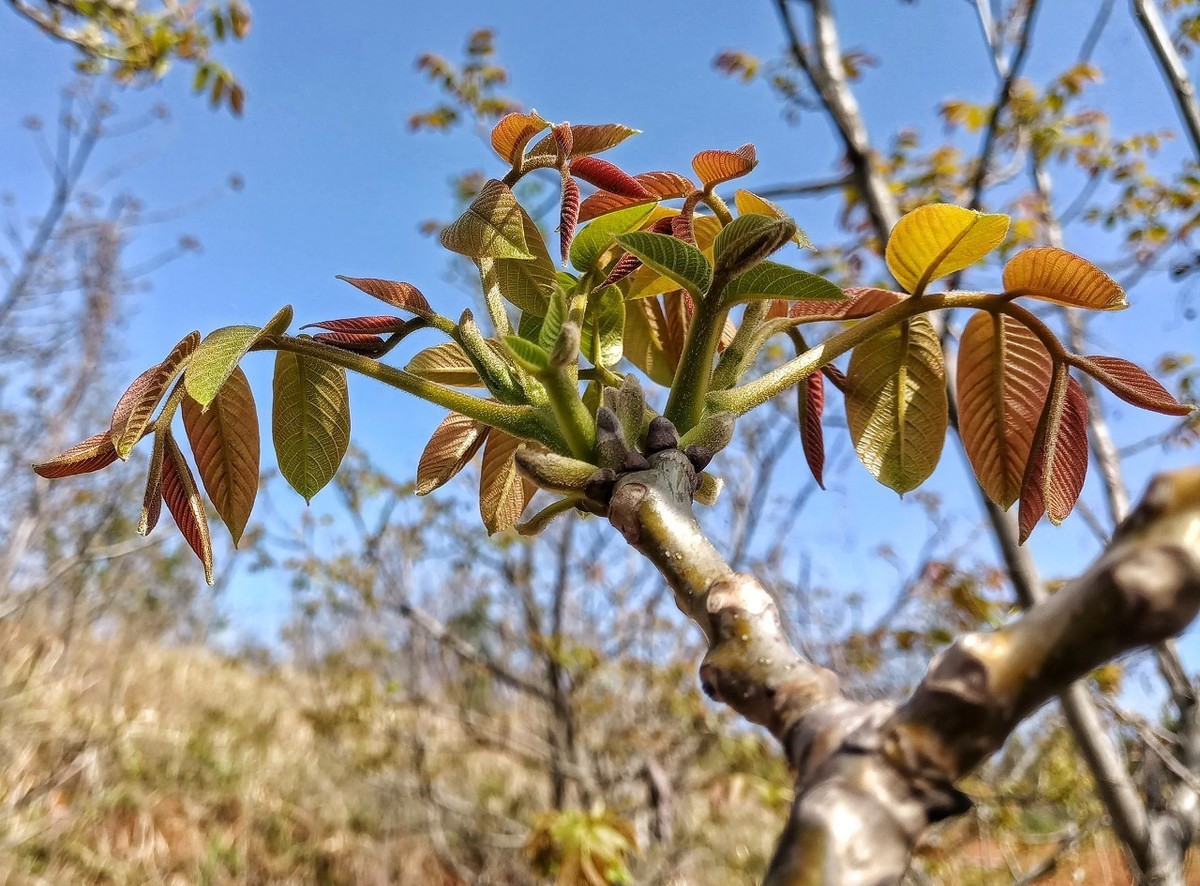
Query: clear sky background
[336,184]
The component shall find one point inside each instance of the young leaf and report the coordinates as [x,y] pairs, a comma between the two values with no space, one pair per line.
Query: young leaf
[684,264]
[503,492]
[1134,385]
[603,327]
[220,353]
[552,323]
[568,215]
[93,454]
[747,240]
[1064,278]
[452,445]
[859,304]
[752,204]
[896,403]
[529,356]
[658,186]
[597,238]
[775,281]
[586,139]
[310,421]
[1004,375]
[492,226]
[446,364]
[525,283]
[136,406]
[645,328]
[717,167]
[152,498]
[607,177]
[513,132]
[183,500]
[564,140]
[939,239]
[810,405]
[225,445]
[404,296]
[709,490]
[362,325]
[1058,465]
[355,342]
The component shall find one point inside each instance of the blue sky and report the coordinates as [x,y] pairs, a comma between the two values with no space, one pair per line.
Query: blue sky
[336,184]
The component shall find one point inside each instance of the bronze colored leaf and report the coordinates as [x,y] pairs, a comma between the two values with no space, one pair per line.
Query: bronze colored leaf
[717,167]
[607,177]
[1134,385]
[447,364]
[1064,278]
[1058,467]
[861,303]
[136,406]
[513,132]
[225,444]
[503,491]
[355,342]
[1004,375]
[399,295]
[568,215]
[448,451]
[183,500]
[810,406]
[362,325]
[645,328]
[152,499]
[93,454]
[658,186]
[586,139]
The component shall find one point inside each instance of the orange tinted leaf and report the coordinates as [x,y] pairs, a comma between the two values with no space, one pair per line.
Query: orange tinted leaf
[503,492]
[225,444]
[586,139]
[1056,275]
[658,186]
[183,500]
[1004,375]
[607,177]
[452,445]
[1134,385]
[1054,478]
[399,295]
[810,403]
[645,327]
[861,303]
[513,132]
[568,215]
[152,499]
[564,140]
[93,454]
[717,167]
[136,406]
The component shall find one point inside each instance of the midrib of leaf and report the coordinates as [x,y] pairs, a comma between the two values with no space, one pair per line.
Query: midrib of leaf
[1000,377]
[927,275]
[902,394]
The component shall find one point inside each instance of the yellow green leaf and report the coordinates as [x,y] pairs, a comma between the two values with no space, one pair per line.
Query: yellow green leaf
[682,262]
[492,226]
[896,403]
[222,350]
[134,410]
[447,364]
[310,421]
[939,239]
[748,203]
[1064,278]
[503,492]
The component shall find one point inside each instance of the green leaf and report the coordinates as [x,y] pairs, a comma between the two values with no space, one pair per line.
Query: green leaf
[492,227]
[747,240]
[604,327]
[749,203]
[526,283]
[896,403]
[447,364]
[596,238]
[222,350]
[310,421]
[683,263]
[552,324]
[528,355]
[772,280]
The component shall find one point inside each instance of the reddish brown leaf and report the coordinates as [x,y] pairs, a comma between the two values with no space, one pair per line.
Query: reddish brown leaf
[152,499]
[586,139]
[1134,385]
[862,303]
[503,492]
[810,405]
[1056,275]
[513,132]
[355,342]
[608,177]
[778,309]
[1054,477]
[564,140]
[627,264]
[568,215]
[183,500]
[452,445]
[93,454]
[133,412]
[378,324]
[677,311]
[717,167]
[399,295]
[681,226]
[658,186]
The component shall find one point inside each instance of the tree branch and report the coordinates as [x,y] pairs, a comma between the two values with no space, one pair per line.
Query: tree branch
[1154,29]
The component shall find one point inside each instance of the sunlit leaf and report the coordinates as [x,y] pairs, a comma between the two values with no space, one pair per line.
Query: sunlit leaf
[513,132]
[716,167]
[596,238]
[1056,275]
[397,294]
[940,239]
[1134,385]
[752,204]
[220,353]
[586,139]
[1004,375]
[152,498]
[525,283]
[552,323]
[361,325]
[1058,464]
[491,227]
[310,421]
[182,497]
[658,186]
[896,403]
[568,216]
[225,445]
[528,355]
[747,240]
[603,327]
[776,281]
[810,406]
[607,177]
[136,407]
[448,451]
[644,331]
[503,492]
[446,363]
[93,454]
[859,303]
[684,264]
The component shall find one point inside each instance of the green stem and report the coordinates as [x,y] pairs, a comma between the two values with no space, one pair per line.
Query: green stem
[743,398]
[730,366]
[520,421]
[718,206]
[570,413]
[685,405]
